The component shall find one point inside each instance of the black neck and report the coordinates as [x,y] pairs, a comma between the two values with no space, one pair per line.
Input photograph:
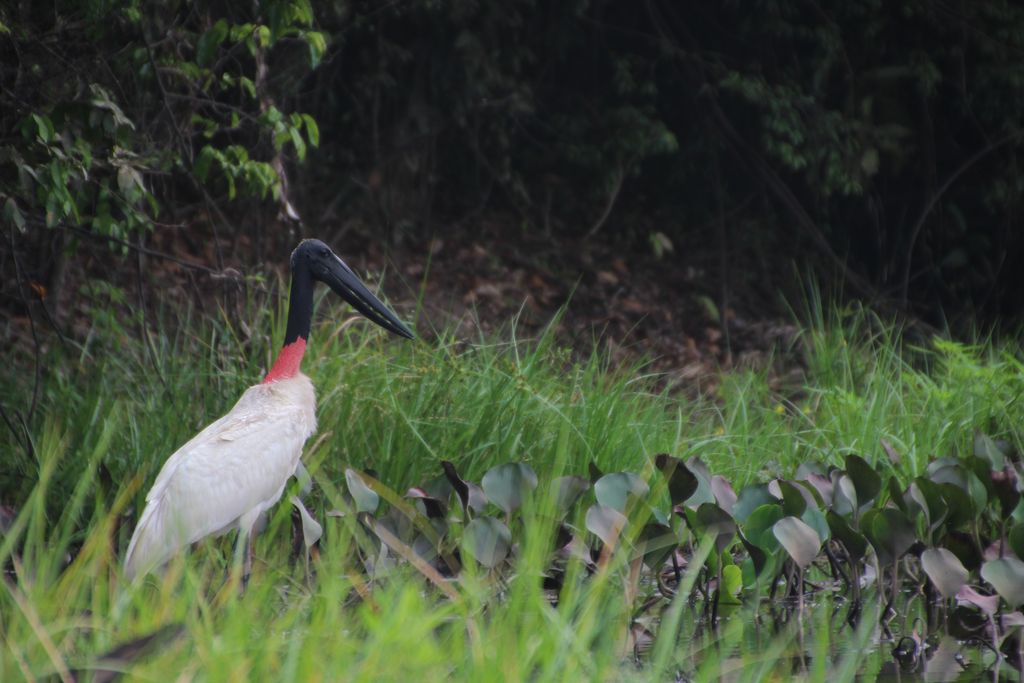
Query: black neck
[300,305]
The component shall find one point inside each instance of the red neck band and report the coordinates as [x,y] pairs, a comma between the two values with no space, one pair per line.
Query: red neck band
[288,361]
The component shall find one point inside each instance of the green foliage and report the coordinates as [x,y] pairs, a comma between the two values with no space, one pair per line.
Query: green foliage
[532,557]
[104,145]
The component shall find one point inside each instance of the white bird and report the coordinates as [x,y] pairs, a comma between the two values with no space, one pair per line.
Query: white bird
[230,473]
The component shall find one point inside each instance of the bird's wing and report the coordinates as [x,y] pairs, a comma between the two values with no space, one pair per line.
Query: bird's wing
[238,463]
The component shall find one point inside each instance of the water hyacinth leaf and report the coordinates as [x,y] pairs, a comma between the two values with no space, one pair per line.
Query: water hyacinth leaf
[978,493]
[713,520]
[732,585]
[958,505]
[890,533]
[488,540]
[945,570]
[568,489]
[892,453]
[311,529]
[614,490]
[681,481]
[896,495]
[365,498]
[1015,539]
[750,498]
[457,483]
[855,543]
[606,523]
[434,508]
[806,469]
[507,485]
[865,479]
[812,494]
[793,501]
[816,520]
[986,448]
[723,492]
[1005,486]
[758,527]
[928,496]
[758,560]
[801,541]
[1006,575]
[703,493]
[989,604]
[844,494]
[656,543]
[952,474]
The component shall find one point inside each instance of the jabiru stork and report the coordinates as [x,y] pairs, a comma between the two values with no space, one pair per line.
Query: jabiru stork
[230,473]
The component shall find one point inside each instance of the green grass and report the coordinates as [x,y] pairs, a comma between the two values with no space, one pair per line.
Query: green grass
[113,409]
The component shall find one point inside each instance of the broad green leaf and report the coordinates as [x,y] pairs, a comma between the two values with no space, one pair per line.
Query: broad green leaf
[311,529]
[750,498]
[1015,539]
[855,543]
[815,519]
[568,489]
[724,494]
[890,533]
[681,481]
[732,585]
[615,489]
[508,485]
[713,520]
[365,498]
[1006,575]
[606,523]
[758,527]
[801,541]
[985,447]
[488,540]
[865,479]
[945,570]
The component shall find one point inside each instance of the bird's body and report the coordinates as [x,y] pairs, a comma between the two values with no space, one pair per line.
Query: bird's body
[230,473]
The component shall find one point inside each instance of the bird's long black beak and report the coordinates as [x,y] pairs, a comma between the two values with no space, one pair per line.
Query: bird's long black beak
[339,277]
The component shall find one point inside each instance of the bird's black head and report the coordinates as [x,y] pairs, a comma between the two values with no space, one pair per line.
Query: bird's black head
[316,259]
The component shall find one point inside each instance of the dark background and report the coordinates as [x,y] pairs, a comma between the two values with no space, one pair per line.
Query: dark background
[672,166]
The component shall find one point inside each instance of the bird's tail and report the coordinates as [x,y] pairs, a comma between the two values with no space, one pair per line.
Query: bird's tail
[151,545]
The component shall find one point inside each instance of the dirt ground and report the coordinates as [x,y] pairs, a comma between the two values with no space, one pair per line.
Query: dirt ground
[670,310]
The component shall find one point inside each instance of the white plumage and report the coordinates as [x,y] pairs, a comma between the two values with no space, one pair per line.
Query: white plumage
[235,469]
[228,474]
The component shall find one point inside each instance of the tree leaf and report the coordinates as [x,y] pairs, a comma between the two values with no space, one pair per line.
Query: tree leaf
[208,43]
